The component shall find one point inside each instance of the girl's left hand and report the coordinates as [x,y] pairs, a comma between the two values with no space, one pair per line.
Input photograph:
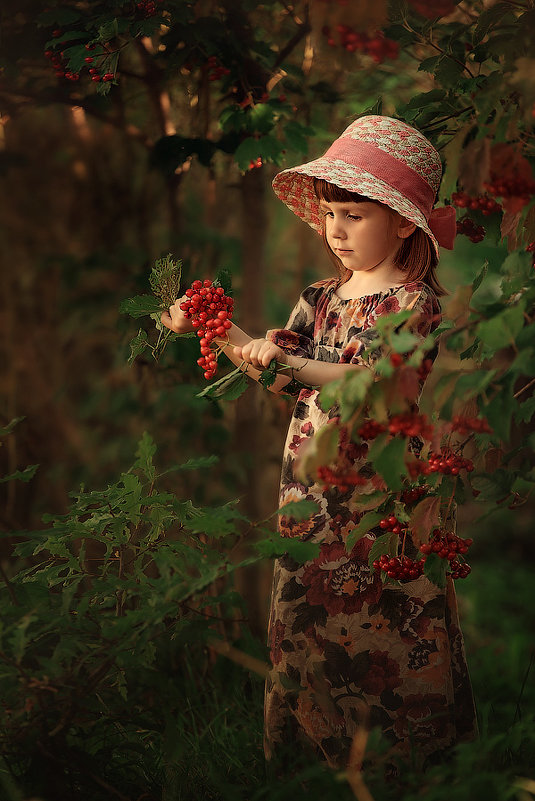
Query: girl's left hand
[259,353]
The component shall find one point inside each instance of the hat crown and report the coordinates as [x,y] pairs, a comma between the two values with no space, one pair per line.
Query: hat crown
[399,140]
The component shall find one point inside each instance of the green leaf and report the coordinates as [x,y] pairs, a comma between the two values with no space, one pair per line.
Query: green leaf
[493,487]
[428,64]
[21,475]
[448,71]
[476,283]
[435,569]
[230,387]
[424,99]
[267,377]
[366,523]
[145,451]
[385,543]
[501,331]
[138,345]
[300,510]
[140,306]
[196,463]
[295,548]
[525,411]
[488,19]
[389,460]
[10,426]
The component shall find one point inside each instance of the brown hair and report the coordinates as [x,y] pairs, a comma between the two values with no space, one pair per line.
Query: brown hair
[416,255]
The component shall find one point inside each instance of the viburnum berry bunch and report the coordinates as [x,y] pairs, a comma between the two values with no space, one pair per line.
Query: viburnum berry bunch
[371,429]
[485,203]
[448,463]
[148,8]
[392,524]
[402,568]
[467,227]
[448,545]
[217,70]
[342,477]
[466,424]
[378,46]
[210,311]
[513,186]
[414,494]
[410,424]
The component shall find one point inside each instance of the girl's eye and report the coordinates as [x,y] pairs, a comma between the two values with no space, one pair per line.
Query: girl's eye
[353,217]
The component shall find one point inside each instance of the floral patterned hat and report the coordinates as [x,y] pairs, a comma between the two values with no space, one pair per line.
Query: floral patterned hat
[384,159]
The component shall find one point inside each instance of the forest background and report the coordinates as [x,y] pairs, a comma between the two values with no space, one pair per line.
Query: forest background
[120,480]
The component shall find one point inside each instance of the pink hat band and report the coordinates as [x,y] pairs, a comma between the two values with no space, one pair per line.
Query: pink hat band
[382,165]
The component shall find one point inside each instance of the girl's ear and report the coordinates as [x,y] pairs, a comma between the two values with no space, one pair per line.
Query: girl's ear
[405,228]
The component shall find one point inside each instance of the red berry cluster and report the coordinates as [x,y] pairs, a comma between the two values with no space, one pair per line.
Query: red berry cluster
[414,494]
[402,568]
[339,477]
[216,70]
[147,7]
[377,46]
[515,186]
[254,164]
[59,64]
[449,546]
[474,232]
[61,70]
[448,463]
[465,424]
[392,524]
[443,462]
[410,424]
[211,310]
[531,249]
[485,203]
[371,429]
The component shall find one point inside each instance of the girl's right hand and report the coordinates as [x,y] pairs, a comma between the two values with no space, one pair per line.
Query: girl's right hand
[175,319]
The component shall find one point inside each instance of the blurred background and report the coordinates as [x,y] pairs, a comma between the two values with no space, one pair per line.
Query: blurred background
[175,154]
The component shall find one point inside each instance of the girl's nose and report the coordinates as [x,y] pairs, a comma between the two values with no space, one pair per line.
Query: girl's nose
[337,229]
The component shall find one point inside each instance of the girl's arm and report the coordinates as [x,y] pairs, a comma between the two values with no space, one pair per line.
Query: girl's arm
[258,353]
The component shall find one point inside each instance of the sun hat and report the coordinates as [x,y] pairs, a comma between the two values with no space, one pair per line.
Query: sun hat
[384,159]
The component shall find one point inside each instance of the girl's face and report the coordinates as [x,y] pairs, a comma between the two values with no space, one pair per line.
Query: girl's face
[363,235]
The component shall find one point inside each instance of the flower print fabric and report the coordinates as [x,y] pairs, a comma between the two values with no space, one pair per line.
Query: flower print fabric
[347,651]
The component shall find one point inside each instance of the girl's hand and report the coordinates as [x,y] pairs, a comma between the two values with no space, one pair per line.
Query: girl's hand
[259,353]
[175,319]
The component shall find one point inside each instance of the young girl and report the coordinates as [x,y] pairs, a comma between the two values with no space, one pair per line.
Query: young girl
[347,652]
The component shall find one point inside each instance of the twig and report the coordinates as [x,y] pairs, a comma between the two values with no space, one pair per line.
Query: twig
[523,389]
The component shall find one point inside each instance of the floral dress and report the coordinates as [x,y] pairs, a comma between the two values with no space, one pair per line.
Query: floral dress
[348,652]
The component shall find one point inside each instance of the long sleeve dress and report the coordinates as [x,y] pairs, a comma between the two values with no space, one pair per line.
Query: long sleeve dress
[347,651]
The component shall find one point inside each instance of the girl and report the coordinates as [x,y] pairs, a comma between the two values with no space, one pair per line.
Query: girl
[348,652]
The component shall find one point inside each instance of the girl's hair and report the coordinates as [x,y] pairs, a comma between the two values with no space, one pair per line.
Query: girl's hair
[416,255]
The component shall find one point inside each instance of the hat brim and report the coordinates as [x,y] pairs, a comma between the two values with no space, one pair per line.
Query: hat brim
[295,188]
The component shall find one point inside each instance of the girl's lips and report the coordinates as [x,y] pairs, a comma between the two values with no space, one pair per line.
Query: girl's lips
[343,250]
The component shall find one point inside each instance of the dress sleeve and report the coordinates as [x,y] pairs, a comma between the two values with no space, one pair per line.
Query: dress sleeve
[297,337]
[416,297]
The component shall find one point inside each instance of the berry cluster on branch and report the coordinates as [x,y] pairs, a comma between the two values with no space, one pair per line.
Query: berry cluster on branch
[61,70]
[148,8]
[378,47]
[392,524]
[464,425]
[485,203]
[402,568]
[341,477]
[467,227]
[217,70]
[211,310]
[449,546]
